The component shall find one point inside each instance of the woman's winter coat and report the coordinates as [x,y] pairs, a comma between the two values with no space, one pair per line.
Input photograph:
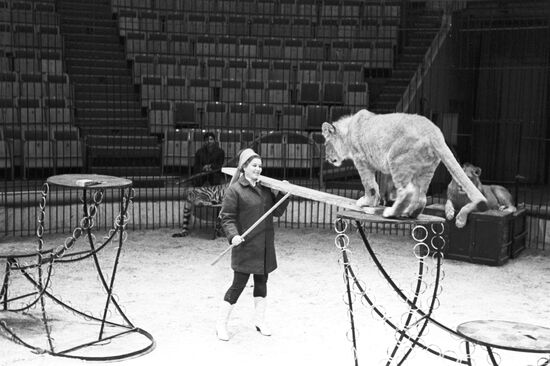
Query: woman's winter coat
[242,206]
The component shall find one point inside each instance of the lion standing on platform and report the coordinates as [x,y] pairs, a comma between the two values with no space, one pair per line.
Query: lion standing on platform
[407,146]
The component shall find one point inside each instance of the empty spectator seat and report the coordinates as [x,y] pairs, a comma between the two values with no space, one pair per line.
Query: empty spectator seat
[248,47]
[38,149]
[330,72]
[266,7]
[352,72]
[272,48]
[176,151]
[215,68]
[333,93]
[237,69]
[30,86]
[167,65]
[287,8]
[160,116]
[179,45]
[151,88]
[277,92]
[30,112]
[196,24]
[301,28]
[57,112]
[281,70]
[185,114]
[175,23]
[349,28]
[351,9]
[143,65]
[57,86]
[306,8]
[314,50]
[231,91]
[340,50]
[51,62]
[190,68]
[357,95]
[215,115]
[361,51]
[281,27]
[238,116]
[228,46]
[237,26]
[263,117]
[8,112]
[315,116]
[216,25]
[308,72]
[327,28]
[206,46]
[175,88]
[330,9]
[26,62]
[157,43]
[259,70]
[149,21]
[292,118]
[135,44]
[309,93]
[199,90]
[260,26]
[254,92]
[68,148]
[293,49]
[9,85]
[127,21]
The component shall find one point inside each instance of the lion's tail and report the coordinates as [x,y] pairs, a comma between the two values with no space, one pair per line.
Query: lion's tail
[457,173]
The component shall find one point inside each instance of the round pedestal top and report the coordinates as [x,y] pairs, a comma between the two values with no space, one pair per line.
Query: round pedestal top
[508,335]
[89,181]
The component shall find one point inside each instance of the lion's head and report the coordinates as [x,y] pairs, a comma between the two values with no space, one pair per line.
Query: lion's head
[335,148]
[473,172]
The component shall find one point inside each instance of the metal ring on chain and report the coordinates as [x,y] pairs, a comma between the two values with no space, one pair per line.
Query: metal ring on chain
[340,222]
[45,189]
[92,211]
[42,202]
[418,227]
[345,241]
[438,247]
[419,248]
[98,196]
[85,223]
[40,231]
[436,232]
[41,216]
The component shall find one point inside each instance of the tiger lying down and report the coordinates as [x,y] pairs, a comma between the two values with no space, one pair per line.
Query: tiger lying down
[200,196]
[409,147]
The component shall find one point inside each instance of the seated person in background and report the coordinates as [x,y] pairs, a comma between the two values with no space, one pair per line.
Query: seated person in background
[209,158]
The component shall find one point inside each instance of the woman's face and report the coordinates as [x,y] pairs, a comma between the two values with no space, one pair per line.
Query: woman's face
[253,170]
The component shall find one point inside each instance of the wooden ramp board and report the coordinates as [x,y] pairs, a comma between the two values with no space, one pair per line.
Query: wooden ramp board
[312,194]
[363,217]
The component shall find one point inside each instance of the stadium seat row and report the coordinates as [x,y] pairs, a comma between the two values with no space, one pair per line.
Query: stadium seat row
[186,114]
[289,8]
[369,51]
[252,91]
[39,12]
[256,26]
[38,85]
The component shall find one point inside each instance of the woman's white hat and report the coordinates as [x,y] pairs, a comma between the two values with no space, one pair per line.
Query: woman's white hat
[245,155]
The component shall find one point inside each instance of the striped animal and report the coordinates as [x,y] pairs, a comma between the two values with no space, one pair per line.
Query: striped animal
[200,196]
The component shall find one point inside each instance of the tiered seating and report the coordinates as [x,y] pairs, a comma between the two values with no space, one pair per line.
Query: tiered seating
[224,58]
[35,96]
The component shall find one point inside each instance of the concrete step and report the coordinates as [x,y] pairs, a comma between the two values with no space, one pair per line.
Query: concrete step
[86,54]
[106,95]
[99,63]
[107,104]
[107,22]
[92,45]
[106,80]
[112,39]
[77,29]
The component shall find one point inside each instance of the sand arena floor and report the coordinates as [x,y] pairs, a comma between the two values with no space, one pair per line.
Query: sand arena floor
[168,288]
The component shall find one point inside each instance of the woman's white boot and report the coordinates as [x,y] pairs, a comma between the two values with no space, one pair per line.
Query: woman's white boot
[223,319]
[260,305]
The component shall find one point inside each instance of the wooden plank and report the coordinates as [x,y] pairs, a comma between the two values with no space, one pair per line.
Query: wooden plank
[312,194]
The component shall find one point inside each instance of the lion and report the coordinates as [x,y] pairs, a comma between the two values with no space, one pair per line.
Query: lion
[498,197]
[409,147]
